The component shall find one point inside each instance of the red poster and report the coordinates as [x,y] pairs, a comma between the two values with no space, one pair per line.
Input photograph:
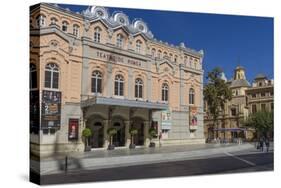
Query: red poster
[73,129]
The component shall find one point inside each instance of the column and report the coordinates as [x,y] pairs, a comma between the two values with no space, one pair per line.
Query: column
[181,89]
[149,86]
[105,136]
[127,134]
[130,84]
[109,80]
[146,134]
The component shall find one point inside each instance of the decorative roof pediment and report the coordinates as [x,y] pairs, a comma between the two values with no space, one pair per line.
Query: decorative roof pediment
[118,20]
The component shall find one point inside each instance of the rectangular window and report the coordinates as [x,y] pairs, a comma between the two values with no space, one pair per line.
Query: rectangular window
[55,80]
[263,107]
[136,91]
[121,89]
[34,79]
[263,94]
[64,28]
[116,88]
[233,112]
[47,79]
[93,85]
[254,95]
[254,108]
[140,92]
[99,86]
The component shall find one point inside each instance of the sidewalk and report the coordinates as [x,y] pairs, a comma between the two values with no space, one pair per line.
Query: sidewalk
[125,157]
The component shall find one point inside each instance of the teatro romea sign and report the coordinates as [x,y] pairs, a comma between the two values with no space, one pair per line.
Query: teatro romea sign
[117,59]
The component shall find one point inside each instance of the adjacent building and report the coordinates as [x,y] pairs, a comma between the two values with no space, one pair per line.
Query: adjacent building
[96,70]
[246,99]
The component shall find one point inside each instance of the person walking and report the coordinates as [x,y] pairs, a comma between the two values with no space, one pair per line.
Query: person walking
[261,144]
[160,137]
[267,143]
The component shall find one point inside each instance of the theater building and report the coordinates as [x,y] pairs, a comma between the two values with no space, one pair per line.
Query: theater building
[97,70]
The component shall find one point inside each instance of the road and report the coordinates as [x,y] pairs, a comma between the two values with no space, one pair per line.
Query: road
[229,163]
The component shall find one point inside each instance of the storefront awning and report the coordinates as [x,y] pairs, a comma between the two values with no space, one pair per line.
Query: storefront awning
[123,102]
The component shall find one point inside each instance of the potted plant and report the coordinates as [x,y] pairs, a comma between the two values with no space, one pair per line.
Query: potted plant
[133,131]
[86,133]
[152,133]
[111,132]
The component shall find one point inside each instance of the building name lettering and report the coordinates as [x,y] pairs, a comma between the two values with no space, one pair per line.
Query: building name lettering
[117,59]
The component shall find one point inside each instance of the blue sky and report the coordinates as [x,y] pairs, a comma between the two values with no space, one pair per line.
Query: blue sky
[227,41]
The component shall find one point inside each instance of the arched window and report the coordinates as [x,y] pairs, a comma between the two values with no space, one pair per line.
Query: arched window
[96,82]
[153,52]
[32,76]
[76,30]
[119,41]
[159,54]
[41,21]
[165,92]
[185,60]
[53,21]
[165,54]
[138,46]
[64,26]
[52,76]
[119,85]
[191,96]
[97,34]
[138,88]
[171,56]
[176,58]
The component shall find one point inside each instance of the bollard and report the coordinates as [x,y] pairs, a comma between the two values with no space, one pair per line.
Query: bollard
[65,164]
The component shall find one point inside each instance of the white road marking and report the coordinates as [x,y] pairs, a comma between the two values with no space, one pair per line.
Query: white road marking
[245,161]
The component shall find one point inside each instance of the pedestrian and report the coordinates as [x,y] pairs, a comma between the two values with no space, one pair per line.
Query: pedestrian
[261,144]
[267,143]
[160,137]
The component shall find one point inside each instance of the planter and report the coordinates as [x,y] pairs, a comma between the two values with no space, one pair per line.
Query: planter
[132,146]
[152,145]
[110,147]
[87,148]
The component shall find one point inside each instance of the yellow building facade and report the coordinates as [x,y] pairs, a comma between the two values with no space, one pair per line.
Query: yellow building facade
[96,70]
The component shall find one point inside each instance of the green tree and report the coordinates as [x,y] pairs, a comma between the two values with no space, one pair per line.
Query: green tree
[111,132]
[261,121]
[86,133]
[216,94]
[133,131]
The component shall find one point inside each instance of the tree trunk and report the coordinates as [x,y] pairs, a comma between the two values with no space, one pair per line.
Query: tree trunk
[132,139]
[111,137]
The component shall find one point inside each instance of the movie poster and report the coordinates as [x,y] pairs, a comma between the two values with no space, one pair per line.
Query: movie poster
[193,119]
[73,125]
[51,109]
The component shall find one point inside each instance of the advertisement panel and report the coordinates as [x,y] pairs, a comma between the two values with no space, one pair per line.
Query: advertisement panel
[73,126]
[51,109]
[193,119]
[166,120]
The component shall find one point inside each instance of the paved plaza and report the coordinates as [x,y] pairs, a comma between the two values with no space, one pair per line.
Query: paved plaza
[107,159]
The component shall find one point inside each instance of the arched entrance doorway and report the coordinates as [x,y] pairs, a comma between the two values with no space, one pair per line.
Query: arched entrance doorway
[138,123]
[119,137]
[97,127]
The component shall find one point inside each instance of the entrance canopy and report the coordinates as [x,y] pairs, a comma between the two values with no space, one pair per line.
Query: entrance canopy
[123,102]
